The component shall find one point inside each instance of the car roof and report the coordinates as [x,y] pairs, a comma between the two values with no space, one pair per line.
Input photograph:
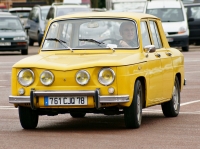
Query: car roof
[8,16]
[46,6]
[192,4]
[20,8]
[131,15]
[5,13]
[71,6]
[163,4]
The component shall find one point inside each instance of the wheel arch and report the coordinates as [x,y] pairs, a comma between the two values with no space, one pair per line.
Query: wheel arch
[178,75]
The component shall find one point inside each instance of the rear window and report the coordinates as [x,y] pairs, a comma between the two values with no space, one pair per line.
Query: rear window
[21,14]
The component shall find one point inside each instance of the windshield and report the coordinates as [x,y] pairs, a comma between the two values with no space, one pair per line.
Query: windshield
[90,34]
[10,24]
[130,6]
[44,13]
[64,11]
[167,14]
[21,14]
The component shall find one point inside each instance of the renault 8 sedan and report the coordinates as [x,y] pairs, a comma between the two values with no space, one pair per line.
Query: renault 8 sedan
[99,62]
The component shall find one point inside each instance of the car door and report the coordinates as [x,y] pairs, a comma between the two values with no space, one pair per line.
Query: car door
[166,61]
[154,72]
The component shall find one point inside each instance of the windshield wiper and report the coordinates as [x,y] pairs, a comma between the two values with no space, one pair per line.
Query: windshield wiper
[61,42]
[92,40]
[99,43]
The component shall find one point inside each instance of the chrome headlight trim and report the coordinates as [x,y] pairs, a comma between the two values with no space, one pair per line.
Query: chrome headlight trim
[46,74]
[102,80]
[21,79]
[82,72]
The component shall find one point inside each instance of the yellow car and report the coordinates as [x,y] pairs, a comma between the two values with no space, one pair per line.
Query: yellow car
[99,62]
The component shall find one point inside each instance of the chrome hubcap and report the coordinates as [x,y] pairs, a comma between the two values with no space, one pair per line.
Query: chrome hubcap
[138,108]
[175,98]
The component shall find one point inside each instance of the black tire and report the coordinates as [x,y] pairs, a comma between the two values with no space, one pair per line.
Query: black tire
[28,117]
[172,107]
[24,52]
[185,49]
[77,114]
[133,114]
[31,42]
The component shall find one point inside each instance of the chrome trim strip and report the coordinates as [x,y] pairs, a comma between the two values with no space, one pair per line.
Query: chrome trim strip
[64,93]
[19,99]
[114,99]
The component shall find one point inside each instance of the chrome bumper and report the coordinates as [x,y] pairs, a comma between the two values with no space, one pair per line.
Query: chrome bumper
[96,94]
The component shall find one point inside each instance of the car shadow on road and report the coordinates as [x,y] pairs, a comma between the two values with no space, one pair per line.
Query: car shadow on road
[96,123]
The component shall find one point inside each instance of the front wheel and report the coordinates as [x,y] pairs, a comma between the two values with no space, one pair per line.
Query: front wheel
[28,117]
[24,52]
[133,114]
[172,107]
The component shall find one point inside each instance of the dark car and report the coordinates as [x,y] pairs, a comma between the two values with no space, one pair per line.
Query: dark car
[35,22]
[193,15]
[12,34]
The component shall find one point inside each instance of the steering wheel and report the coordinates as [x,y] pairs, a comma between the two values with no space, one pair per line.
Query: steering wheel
[113,41]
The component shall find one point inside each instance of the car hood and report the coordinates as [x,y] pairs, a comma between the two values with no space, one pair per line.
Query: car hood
[79,61]
[11,33]
[173,26]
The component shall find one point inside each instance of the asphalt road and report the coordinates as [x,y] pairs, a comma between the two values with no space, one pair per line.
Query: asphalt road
[104,132]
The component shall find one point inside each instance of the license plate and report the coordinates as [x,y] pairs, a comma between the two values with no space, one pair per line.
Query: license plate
[170,39]
[57,101]
[5,43]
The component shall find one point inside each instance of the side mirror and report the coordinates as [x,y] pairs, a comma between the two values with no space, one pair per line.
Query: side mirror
[27,27]
[190,19]
[149,49]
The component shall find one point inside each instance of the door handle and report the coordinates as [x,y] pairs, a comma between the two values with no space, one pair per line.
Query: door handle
[158,55]
[168,53]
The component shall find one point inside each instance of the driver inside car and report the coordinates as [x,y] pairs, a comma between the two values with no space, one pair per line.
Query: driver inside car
[128,32]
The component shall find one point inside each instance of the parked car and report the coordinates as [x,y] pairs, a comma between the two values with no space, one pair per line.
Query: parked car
[21,12]
[193,14]
[12,34]
[174,21]
[100,73]
[59,9]
[35,22]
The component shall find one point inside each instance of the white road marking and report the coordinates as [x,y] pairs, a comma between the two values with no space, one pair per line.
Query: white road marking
[191,102]
[3,80]
[2,86]
[193,72]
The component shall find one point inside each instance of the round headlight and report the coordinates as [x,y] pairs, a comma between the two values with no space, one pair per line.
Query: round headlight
[82,77]
[106,76]
[46,77]
[25,77]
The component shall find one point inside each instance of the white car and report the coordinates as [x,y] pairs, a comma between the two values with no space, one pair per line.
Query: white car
[174,21]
